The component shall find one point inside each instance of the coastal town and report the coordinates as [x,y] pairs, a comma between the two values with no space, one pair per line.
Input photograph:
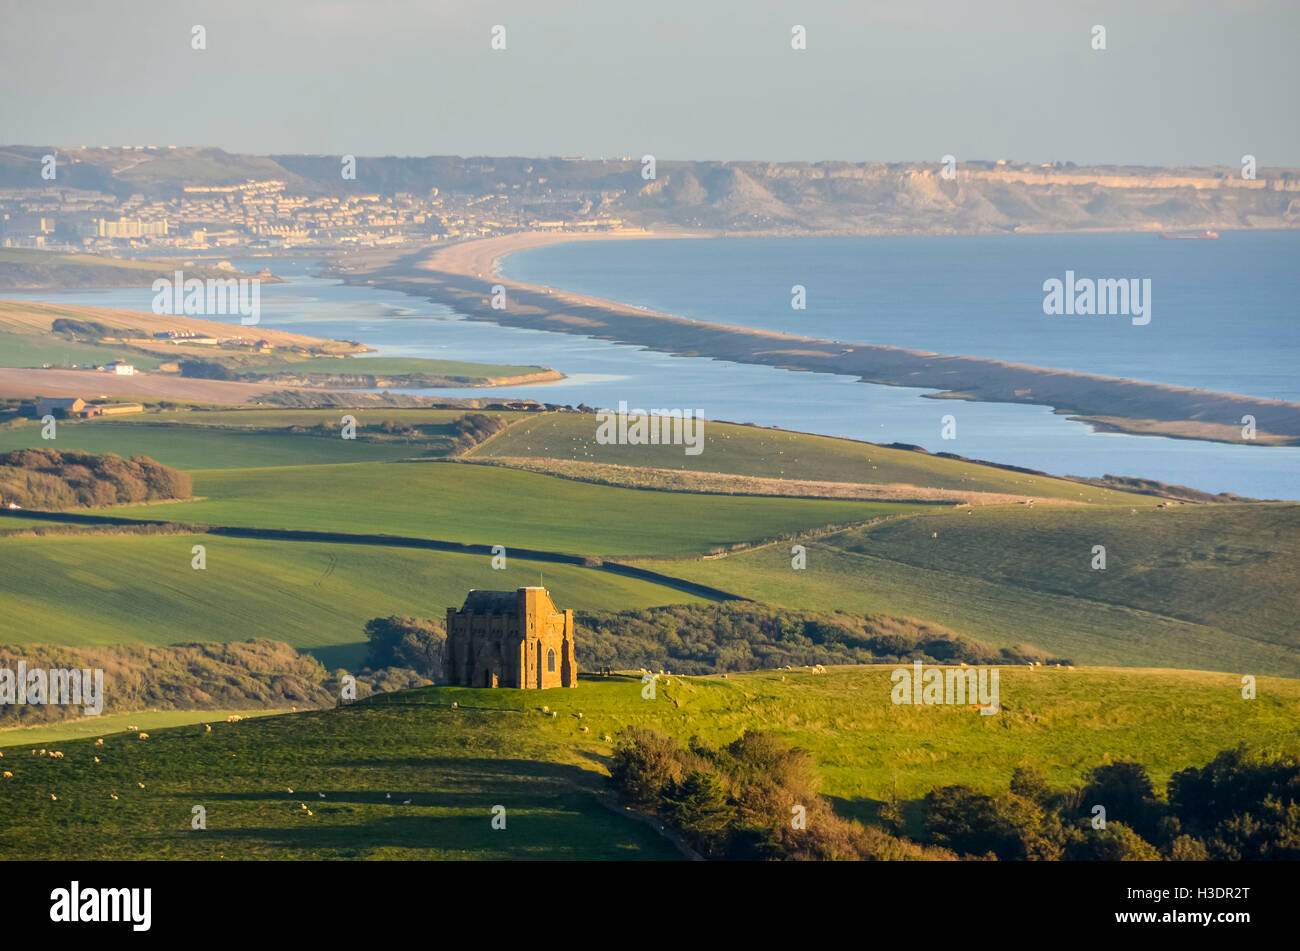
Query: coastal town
[152,199]
[272,215]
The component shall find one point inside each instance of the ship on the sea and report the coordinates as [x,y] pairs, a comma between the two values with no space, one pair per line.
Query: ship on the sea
[1189,234]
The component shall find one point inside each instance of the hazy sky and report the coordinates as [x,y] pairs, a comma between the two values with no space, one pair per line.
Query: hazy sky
[1181,81]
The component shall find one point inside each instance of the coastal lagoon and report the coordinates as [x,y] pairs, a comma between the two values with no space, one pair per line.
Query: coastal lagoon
[746,282]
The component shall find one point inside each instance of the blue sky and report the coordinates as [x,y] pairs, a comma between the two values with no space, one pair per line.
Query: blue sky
[1181,81]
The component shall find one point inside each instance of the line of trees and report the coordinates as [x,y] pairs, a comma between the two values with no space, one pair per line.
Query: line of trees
[739,636]
[257,673]
[1244,805]
[61,479]
[756,798]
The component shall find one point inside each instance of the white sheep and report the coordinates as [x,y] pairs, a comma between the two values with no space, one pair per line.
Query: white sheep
[7,775]
[143,736]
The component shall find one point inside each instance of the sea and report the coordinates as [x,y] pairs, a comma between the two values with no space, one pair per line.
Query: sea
[1223,316]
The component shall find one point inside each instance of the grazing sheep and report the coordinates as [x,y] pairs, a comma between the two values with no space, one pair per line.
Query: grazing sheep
[143,736]
[934,534]
[56,755]
[42,751]
[554,714]
[546,709]
[54,797]
[100,741]
[406,802]
[578,715]
[7,775]
[388,795]
[586,729]
[96,759]
[302,806]
[454,705]
[113,796]
[132,729]
[290,788]
[233,718]
[321,794]
[141,785]
[207,727]
[310,813]
[607,738]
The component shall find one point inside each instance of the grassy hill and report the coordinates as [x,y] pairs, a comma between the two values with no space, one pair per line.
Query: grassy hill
[105,589]
[1193,586]
[771,453]
[236,439]
[498,748]
[497,507]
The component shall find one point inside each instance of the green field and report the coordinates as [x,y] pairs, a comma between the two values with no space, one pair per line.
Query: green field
[108,589]
[249,438]
[497,748]
[493,506]
[186,447]
[274,418]
[147,720]
[1203,587]
[771,453]
[36,350]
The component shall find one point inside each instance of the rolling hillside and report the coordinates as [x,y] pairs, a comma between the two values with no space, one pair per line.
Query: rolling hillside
[497,748]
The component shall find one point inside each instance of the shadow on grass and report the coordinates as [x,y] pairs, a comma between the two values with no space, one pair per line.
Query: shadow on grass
[348,656]
[537,826]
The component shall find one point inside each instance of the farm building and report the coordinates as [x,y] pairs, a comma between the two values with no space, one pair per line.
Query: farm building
[510,639]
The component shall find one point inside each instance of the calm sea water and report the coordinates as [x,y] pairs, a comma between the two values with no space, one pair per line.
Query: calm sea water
[745,282]
[1225,314]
